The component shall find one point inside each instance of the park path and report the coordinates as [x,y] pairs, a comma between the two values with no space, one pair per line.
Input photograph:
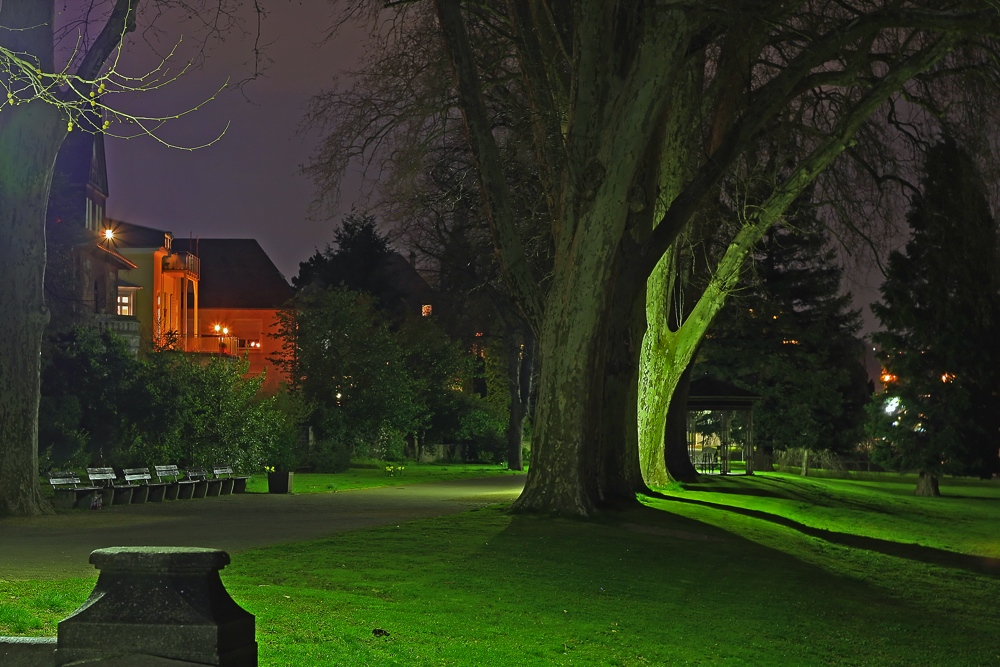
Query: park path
[52,547]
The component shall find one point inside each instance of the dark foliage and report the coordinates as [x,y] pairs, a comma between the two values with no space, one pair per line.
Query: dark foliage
[941,312]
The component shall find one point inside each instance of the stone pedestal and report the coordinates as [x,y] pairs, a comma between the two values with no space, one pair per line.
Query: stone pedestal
[26,651]
[158,606]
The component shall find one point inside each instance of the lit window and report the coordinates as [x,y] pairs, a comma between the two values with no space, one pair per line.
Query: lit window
[425,310]
[125,304]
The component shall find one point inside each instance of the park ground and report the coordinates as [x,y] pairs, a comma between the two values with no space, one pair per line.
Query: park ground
[766,570]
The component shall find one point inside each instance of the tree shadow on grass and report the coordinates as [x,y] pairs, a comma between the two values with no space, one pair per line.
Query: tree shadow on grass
[916,552]
[799,490]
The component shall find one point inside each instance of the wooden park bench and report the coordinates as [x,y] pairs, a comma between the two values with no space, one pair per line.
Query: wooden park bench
[106,478]
[231,483]
[177,488]
[146,490]
[68,492]
[204,485]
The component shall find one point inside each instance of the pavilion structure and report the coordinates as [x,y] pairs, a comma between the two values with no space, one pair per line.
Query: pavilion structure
[712,442]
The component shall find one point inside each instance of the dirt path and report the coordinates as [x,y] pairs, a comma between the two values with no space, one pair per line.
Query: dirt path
[58,546]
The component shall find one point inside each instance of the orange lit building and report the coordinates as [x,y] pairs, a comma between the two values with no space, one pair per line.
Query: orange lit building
[240,291]
[162,289]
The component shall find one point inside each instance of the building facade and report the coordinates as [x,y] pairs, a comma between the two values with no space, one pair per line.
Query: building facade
[241,293]
[83,266]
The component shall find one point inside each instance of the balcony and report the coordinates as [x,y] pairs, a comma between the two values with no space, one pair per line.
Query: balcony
[213,344]
[182,262]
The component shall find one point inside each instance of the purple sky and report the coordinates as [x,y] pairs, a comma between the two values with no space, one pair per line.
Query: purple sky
[248,184]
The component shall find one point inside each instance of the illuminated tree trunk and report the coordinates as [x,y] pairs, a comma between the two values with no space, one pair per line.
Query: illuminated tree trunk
[30,135]
[562,475]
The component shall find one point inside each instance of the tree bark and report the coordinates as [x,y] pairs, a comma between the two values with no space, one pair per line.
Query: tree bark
[30,135]
[927,485]
[563,451]
[678,460]
[617,476]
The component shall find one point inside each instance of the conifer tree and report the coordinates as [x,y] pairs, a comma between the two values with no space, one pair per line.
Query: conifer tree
[940,308]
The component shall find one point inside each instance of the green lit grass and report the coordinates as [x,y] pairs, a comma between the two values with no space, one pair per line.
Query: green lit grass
[676,583]
[370,477]
[963,520]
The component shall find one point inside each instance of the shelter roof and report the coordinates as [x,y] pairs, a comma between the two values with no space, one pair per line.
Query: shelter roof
[708,393]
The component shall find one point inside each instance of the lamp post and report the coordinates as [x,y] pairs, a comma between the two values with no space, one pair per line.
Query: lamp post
[222,332]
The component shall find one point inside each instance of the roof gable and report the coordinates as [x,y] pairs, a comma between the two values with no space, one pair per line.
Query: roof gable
[129,235]
[236,273]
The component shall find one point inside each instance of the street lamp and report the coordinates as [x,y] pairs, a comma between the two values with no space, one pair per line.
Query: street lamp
[221,331]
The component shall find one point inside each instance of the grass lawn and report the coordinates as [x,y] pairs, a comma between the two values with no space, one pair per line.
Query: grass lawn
[770,570]
[369,477]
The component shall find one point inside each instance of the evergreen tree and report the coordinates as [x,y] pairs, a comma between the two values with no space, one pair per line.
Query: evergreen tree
[941,312]
[788,334]
[357,250]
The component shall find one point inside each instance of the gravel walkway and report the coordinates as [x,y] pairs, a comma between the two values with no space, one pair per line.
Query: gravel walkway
[58,546]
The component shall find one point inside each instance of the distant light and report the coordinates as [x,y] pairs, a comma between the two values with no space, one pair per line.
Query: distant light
[218,328]
[892,405]
[109,234]
[947,377]
[338,395]
[225,331]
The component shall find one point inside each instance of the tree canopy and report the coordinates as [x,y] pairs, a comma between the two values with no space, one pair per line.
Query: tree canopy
[638,116]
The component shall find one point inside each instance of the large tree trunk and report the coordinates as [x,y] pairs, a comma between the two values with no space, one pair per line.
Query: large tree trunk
[564,459]
[927,485]
[618,475]
[30,135]
[679,464]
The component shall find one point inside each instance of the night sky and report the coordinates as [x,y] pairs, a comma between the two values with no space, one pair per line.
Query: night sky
[248,184]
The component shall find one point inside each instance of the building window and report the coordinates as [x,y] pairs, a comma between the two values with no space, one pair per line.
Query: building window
[125,304]
[425,310]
